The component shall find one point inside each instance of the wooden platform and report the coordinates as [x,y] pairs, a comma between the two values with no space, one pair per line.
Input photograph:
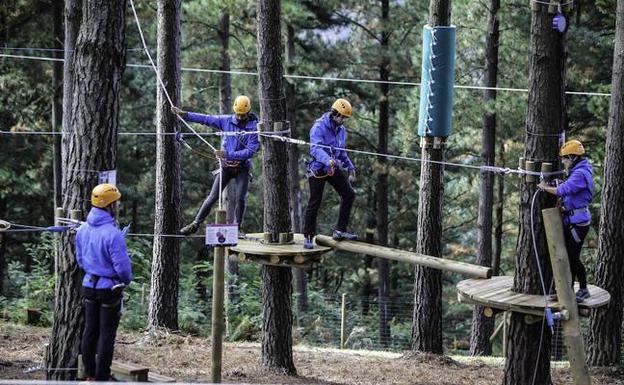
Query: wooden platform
[496,293]
[254,249]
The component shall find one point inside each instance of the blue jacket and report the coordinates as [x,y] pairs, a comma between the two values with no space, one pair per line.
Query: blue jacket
[238,148]
[576,193]
[101,250]
[326,132]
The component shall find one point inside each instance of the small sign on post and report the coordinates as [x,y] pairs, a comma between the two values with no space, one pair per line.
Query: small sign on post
[108,176]
[222,235]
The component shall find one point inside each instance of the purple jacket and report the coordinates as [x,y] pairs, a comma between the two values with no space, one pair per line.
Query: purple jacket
[328,133]
[576,193]
[101,250]
[238,148]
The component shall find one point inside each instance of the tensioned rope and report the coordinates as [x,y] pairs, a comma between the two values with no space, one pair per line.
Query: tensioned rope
[324,78]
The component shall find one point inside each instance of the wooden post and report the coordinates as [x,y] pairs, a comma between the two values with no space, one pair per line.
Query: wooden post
[563,282]
[505,332]
[405,256]
[218,324]
[530,166]
[75,214]
[343,316]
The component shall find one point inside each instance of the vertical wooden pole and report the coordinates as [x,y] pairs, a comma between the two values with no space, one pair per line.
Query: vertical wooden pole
[343,316]
[75,214]
[505,332]
[217,306]
[563,282]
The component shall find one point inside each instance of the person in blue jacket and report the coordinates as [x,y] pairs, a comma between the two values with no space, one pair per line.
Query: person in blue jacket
[234,156]
[328,139]
[576,193]
[101,253]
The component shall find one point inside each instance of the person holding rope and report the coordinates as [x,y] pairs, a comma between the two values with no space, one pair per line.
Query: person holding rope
[101,252]
[328,140]
[576,193]
[234,156]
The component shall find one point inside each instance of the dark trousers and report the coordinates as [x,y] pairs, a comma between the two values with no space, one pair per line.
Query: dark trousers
[341,185]
[102,313]
[241,177]
[574,237]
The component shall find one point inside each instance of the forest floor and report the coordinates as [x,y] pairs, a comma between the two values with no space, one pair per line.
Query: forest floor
[187,359]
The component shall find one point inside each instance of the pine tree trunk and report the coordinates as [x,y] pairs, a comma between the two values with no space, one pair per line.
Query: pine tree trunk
[301,282]
[427,320]
[276,281]
[382,181]
[90,143]
[371,222]
[545,121]
[482,326]
[605,325]
[163,308]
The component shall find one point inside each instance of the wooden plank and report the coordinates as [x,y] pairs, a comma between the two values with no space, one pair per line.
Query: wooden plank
[129,372]
[155,377]
[254,245]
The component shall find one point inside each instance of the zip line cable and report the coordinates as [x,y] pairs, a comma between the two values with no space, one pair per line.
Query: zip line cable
[323,78]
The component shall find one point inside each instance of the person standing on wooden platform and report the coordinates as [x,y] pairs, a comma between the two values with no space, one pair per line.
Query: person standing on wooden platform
[234,156]
[576,193]
[328,140]
[101,252]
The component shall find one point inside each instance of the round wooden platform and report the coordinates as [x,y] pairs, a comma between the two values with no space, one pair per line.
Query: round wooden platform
[496,293]
[254,249]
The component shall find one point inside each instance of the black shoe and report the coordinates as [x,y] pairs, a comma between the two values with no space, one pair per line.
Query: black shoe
[308,242]
[189,229]
[582,295]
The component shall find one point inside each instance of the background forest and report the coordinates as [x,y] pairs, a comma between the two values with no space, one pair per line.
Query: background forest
[337,46]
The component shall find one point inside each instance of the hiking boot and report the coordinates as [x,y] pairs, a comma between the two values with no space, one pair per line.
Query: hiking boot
[241,235]
[582,295]
[340,235]
[189,229]
[308,242]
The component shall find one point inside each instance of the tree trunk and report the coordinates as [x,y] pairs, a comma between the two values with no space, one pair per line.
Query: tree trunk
[482,326]
[301,282]
[427,320]
[545,121]
[605,337]
[371,222]
[382,180]
[57,102]
[500,205]
[163,307]
[276,281]
[90,143]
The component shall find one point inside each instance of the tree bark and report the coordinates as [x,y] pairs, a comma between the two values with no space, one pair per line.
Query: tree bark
[276,281]
[545,121]
[427,320]
[382,179]
[605,325]
[371,223]
[301,282]
[500,205]
[57,101]
[90,143]
[163,308]
[482,326]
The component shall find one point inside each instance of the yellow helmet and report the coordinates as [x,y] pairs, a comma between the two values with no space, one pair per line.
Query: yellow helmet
[242,105]
[104,194]
[572,147]
[343,107]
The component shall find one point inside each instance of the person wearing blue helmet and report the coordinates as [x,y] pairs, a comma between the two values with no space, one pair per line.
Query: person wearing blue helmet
[576,193]
[234,157]
[102,254]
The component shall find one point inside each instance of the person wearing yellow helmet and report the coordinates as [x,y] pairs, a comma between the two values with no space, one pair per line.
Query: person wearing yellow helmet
[576,193]
[102,254]
[234,156]
[328,140]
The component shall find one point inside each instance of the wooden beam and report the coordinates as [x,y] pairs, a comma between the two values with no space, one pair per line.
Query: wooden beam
[218,321]
[406,256]
[563,282]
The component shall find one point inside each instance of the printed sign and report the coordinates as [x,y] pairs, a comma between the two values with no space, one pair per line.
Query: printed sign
[222,235]
[109,176]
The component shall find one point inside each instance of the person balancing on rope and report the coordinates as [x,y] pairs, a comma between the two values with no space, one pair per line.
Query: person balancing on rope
[328,138]
[101,252]
[234,156]
[576,193]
